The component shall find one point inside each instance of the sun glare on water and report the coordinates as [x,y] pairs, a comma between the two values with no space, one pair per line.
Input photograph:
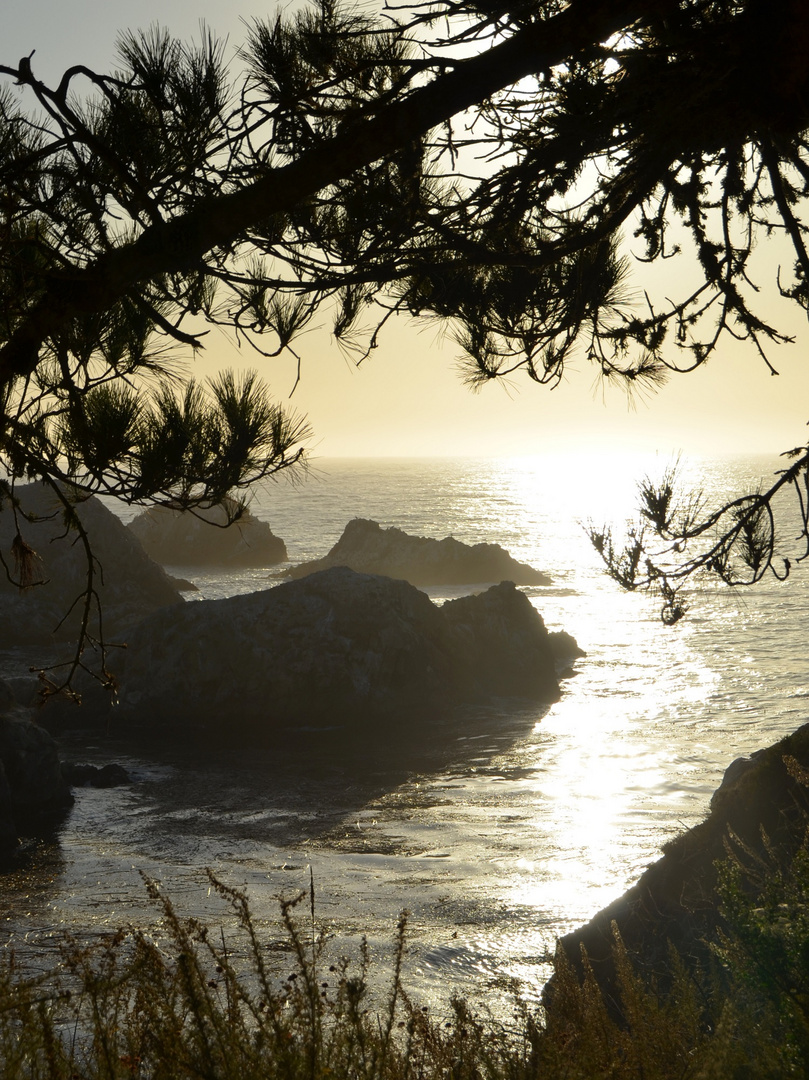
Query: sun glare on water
[600,762]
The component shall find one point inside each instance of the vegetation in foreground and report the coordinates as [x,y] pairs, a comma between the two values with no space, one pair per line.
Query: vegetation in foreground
[133,1008]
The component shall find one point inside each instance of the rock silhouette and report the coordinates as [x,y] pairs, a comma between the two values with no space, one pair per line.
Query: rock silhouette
[175,538]
[368,548]
[33,791]
[129,584]
[759,812]
[337,647]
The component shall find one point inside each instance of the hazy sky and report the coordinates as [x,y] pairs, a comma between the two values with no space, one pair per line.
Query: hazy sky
[407,399]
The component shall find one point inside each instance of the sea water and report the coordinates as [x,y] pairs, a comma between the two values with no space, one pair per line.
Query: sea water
[512,832]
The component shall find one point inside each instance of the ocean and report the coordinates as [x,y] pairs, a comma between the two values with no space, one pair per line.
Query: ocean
[515,831]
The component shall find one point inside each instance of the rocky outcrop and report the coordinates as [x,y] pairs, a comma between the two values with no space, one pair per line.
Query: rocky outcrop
[129,585]
[760,811]
[338,647]
[204,538]
[565,651]
[368,548]
[33,791]
[565,647]
[499,644]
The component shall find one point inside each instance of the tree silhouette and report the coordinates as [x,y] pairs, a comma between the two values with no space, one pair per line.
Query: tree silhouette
[498,167]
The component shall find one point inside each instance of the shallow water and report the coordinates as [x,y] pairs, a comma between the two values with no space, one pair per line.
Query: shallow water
[499,831]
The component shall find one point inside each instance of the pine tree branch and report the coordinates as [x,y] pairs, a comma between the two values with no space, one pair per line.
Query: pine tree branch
[219,222]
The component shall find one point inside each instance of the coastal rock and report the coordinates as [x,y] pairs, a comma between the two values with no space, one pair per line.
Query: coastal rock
[565,647]
[31,763]
[759,811]
[95,776]
[33,791]
[369,549]
[182,584]
[204,538]
[500,645]
[9,841]
[130,586]
[337,647]
[565,651]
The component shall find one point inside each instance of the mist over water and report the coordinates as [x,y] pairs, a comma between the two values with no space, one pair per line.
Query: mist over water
[504,833]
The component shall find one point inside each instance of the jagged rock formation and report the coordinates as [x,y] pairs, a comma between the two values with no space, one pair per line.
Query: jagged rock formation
[33,791]
[759,811]
[369,549]
[337,646]
[129,584]
[175,538]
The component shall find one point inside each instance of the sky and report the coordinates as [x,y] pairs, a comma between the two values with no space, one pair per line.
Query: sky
[407,398]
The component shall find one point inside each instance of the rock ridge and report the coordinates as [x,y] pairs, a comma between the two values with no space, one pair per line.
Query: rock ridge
[370,549]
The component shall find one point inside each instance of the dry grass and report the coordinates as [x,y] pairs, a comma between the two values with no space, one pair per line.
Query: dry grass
[131,1009]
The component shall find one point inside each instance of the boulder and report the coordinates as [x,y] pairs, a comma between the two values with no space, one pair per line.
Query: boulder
[759,812]
[33,792]
[31,763]
[204,537]
[130,586]
[339,647]
[368,548]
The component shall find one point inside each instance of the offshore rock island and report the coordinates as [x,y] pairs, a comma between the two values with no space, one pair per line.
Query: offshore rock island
[224,535]
[368,548]
[337,646]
